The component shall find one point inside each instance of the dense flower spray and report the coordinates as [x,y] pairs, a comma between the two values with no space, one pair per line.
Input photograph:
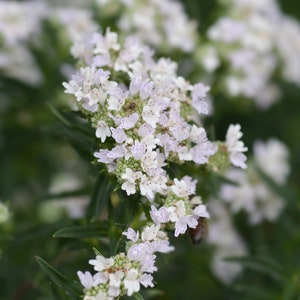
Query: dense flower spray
[145,117]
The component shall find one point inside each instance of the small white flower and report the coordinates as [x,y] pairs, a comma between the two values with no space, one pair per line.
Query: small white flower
[202,151]
[131,179]
[138,150]
[146,187]
[150,115]
[162,246]
[233,136]
[198,98]
[118,134]
[131,234]
[137,251]
[86,279]
[116,152]
[114,292]
[103,156]
[238,159]
[107,42]
[146,280]
[201,211]
[235,146]
[180,188]
[182,223]
[100,278]
[130,121]
[149,161]
[131,282]
[71,87]
[184,153]
[135,85]
[102,296]
[101,263]
[150,233]
[160,215]
[115,279]
[176,211]
[145,130]
[102,131]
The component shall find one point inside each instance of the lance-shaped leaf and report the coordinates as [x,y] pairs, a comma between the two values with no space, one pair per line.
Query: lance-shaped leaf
[94,230]
[100,196]
[77,131]
[261,264]
[137,296]
[64,284]
[279,189]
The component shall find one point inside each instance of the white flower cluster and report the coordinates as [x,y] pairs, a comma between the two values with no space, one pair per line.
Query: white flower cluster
[18,21]
[76,22]
[160,23]
[147,115]
[21,23]
[123,274]
[252,194]
[180,206]
[248,38]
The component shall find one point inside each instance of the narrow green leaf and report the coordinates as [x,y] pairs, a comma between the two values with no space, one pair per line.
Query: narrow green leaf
[284,192]
[152,293]
[63,283]
[97,252]
[68,194]
[261,264]
[83,231]
[137,296]
[77,131]
[100,197]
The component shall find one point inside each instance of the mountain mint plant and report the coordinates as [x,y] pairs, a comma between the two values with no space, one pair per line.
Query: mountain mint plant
[145,118]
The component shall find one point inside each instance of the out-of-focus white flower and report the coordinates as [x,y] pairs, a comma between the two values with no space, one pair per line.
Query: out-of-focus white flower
[17,62]
[272,158]
[18,21]
[76,22]
[251,41]
[4,213]
[288,45]
[162,24]
[252,194]
[226,241]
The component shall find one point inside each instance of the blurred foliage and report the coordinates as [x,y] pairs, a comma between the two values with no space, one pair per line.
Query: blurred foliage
[36,139]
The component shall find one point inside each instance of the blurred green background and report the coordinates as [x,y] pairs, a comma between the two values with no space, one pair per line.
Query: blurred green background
[35,147]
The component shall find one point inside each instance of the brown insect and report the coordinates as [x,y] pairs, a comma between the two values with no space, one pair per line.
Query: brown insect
[132,106]
[198,233]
